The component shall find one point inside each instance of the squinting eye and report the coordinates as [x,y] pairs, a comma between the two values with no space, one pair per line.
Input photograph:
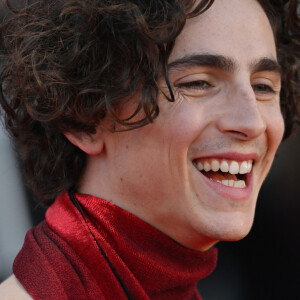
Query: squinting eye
[263,89]
[197,85]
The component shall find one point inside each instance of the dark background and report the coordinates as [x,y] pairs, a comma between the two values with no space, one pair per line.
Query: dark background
[266,264]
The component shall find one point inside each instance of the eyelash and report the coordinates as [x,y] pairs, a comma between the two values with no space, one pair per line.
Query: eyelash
[266,88]
[202,85]
[197,85]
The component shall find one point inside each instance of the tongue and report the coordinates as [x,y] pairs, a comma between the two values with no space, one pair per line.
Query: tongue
[220,176]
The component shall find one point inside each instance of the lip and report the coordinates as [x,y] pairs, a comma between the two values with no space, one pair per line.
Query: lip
[231,192]
[239,194]
[231,156]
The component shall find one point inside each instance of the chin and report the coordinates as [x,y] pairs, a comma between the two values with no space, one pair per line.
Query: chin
[234,230]
[234,233]
[234,236]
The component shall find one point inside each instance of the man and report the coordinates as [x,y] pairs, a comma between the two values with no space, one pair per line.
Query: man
[154,126]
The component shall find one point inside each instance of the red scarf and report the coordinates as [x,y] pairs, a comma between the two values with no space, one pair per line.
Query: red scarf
[60,259]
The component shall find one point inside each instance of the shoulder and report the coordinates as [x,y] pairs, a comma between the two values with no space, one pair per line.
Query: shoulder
[11,289]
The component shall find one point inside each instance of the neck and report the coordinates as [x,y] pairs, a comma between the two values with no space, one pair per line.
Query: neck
[132,246]
[108,185]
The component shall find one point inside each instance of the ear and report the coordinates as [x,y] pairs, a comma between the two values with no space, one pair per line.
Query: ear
[91,144]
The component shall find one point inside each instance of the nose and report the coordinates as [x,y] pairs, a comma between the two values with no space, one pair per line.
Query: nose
[242,117]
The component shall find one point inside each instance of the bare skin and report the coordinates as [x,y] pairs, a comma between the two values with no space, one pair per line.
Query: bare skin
[225,78]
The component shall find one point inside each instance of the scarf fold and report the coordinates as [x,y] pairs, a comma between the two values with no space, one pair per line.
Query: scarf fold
[60,259]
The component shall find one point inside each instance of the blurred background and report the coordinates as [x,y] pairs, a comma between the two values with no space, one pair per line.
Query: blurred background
[266,264]
[263,266]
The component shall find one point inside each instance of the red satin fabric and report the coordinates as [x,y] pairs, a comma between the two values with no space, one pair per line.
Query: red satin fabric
[60,260]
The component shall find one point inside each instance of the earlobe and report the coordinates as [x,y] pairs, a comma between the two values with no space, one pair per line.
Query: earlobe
[91,144]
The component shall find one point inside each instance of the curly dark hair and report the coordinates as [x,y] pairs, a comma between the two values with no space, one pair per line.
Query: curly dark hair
[68,64]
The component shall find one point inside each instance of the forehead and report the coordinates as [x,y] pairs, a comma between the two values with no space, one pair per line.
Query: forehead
[231,28]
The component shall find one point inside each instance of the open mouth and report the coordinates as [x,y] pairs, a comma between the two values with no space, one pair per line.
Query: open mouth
[227,172]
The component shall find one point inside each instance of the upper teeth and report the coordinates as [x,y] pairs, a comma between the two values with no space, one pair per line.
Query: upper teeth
[233,167]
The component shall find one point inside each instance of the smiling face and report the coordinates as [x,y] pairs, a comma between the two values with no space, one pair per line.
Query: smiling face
[226,119]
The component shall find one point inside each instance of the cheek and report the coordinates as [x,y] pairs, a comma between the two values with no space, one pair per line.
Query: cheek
[275,127]
[182,121]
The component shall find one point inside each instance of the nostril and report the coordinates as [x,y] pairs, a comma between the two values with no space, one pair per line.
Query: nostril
[238,133]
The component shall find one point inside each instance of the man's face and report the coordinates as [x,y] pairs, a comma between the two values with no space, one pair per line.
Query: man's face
[226,115]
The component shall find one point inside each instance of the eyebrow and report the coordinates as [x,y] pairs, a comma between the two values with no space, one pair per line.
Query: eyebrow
[208,60]
[266,64]
[223,63]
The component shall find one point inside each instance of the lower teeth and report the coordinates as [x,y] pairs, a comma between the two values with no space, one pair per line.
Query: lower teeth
[233,183]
